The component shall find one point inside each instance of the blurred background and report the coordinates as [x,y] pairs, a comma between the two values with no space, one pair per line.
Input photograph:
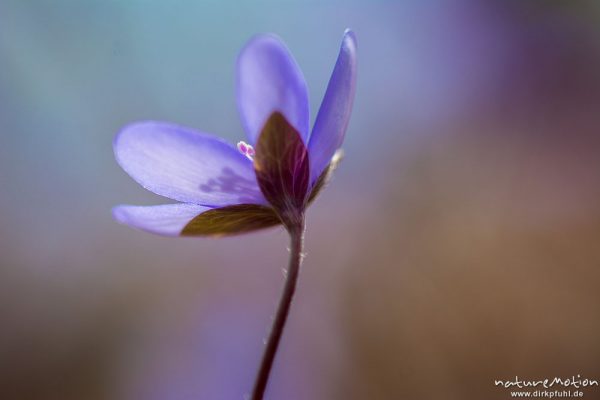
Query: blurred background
[457,244]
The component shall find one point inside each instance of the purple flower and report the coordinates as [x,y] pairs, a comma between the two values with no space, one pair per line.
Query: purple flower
[268,181]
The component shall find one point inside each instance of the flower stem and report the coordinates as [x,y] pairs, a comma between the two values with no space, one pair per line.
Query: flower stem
[296,244]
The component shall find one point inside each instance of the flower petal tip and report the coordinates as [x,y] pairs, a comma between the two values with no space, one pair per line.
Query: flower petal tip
[119,214]
[122,135]
[350,35]
[349,42]
[164,220]
[270,79]
[122,214]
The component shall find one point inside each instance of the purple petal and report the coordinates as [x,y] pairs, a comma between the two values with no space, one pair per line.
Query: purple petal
[186,165]
[334,114]
[268,80]
[166,220]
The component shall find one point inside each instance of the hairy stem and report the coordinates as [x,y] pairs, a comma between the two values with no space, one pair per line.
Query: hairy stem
[283,310]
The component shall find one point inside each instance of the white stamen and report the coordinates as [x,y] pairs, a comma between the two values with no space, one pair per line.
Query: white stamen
[246,150]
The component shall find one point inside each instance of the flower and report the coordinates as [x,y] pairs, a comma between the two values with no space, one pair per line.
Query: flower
[224,190]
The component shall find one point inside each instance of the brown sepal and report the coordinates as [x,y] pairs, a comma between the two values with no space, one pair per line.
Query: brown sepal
[231,220]
[282,167]
[326,175]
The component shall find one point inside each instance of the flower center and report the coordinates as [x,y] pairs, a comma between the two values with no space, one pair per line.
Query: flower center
[246,150]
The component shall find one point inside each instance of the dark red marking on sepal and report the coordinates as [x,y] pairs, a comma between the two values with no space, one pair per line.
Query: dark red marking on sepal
[282,168]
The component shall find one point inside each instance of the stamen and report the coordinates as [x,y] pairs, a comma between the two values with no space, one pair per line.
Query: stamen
[246,150]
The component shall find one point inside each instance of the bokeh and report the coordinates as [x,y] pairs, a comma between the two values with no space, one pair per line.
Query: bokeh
[457,244]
